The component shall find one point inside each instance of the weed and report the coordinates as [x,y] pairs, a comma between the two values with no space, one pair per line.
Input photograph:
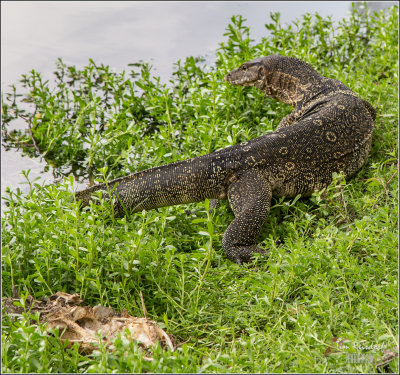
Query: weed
[332,268]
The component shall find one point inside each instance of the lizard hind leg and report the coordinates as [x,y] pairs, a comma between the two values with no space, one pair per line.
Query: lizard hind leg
[250,199]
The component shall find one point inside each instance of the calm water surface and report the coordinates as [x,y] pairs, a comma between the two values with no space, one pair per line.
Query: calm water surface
[35,34]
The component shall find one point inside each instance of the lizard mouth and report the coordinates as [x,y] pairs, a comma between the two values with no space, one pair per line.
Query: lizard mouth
[244,81]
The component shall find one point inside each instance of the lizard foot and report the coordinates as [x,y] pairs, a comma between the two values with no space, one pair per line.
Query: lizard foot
[244,254]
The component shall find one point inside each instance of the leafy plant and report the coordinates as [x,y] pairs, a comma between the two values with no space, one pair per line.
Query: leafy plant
[331,273]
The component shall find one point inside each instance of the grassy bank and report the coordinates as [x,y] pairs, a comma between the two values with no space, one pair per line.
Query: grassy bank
[323,298]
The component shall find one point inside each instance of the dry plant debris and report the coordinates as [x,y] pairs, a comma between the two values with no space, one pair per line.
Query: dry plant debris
[85,324]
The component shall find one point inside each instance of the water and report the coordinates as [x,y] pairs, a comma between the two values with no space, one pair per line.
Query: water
[35,34]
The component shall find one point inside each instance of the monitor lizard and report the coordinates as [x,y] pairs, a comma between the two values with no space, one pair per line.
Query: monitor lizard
[329,130]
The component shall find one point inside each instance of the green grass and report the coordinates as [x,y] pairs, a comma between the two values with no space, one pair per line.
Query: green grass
[332,270]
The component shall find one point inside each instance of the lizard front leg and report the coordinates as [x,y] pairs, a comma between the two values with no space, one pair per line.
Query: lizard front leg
[250,199]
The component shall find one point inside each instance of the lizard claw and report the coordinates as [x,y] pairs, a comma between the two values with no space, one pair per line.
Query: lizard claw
[241,255]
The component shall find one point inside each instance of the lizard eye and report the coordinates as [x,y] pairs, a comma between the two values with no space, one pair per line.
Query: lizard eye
[244,67]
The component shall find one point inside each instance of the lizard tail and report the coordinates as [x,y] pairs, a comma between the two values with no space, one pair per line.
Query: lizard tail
[186,181]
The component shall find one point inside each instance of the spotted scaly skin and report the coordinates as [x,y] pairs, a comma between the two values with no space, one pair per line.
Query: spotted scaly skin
[328,131]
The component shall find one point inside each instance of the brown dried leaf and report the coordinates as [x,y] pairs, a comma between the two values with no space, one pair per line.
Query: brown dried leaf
[335,348]
[389,355]
[297,310]
[84,324]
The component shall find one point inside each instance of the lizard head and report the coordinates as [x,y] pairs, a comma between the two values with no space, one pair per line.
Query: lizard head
[247,74]
[264,68]
[277,76]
